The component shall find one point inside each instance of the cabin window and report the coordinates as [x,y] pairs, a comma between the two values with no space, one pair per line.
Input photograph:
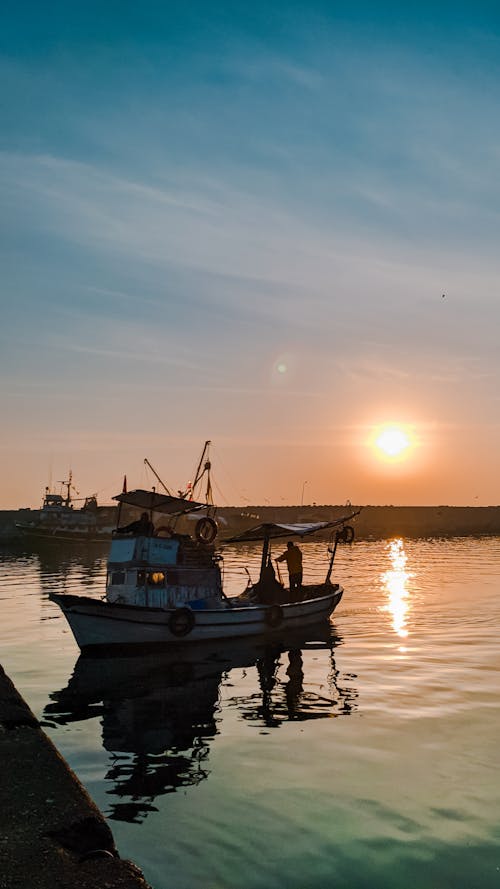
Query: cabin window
[152,578]
[118,577]
[156,578]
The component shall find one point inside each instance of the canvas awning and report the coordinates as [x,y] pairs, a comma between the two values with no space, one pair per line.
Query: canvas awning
[269,530]
[152,501]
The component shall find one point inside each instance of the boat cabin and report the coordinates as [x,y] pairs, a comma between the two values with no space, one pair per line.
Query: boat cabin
[53,501]
[163,573]
[56,512]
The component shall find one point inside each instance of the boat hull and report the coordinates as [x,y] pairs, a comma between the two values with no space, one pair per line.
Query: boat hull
[96,623]
[77,535]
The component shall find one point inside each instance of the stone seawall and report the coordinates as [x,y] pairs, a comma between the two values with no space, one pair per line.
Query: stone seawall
[51,833]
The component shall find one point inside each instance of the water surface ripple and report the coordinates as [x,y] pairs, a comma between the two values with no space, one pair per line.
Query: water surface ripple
[361,755]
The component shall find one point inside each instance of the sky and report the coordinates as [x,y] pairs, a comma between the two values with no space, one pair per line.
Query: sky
[270,225]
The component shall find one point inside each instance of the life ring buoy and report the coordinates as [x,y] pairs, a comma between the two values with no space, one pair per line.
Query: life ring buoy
[273,616]
[181,622]
[346,535]
[206,530]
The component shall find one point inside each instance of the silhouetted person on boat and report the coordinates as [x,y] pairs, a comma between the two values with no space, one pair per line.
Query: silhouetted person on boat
[269,590]
[293,558]
[143,526]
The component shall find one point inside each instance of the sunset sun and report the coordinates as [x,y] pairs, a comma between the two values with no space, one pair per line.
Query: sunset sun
[392,442]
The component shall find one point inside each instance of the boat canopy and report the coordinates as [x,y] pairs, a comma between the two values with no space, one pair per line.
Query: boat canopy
[268,530]
[152,501]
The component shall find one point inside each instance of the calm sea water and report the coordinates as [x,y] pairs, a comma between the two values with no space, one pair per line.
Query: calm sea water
[362,757]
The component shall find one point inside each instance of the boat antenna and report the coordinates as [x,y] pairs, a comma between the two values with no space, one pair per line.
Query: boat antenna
[153,470]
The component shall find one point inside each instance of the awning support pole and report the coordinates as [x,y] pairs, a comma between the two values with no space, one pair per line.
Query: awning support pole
[332,559]
[265,553]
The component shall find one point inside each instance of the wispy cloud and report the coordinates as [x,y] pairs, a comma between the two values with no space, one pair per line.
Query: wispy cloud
[264,67]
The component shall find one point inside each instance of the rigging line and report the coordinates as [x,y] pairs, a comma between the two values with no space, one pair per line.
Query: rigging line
[115,486]
[153,470]
[221,493]
[236,489]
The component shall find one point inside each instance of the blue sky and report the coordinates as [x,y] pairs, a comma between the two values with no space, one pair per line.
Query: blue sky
[238,223]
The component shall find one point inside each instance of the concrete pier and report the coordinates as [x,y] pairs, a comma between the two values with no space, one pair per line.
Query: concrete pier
[51,833]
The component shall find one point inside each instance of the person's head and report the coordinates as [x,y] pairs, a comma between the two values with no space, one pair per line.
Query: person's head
[290,544]
[144,516]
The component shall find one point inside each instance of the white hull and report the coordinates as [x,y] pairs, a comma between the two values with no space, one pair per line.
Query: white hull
[95,622]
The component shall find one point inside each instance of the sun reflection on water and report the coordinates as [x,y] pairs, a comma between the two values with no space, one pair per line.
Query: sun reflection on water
[395,582]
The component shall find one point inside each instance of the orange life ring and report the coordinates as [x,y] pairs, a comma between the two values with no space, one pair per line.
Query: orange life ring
[206,530]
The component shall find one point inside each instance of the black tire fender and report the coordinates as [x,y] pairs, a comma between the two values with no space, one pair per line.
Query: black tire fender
[273,615]
[346,535]
[206,530]
[181,622]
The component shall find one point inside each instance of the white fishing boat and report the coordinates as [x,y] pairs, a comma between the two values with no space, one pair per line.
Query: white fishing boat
[58,519]
[165,587]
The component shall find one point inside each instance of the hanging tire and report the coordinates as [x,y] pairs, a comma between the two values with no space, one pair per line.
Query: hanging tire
[181,622]
[346,535]
[206,530]
[273,616]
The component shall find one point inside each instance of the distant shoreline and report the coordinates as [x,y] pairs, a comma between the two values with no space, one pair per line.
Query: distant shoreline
[374,522]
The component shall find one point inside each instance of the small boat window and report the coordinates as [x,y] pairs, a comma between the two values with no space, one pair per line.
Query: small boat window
[152,578]
[156,578]
[118,577]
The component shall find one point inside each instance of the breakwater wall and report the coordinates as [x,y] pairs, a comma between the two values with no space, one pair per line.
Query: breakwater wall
[377,522]
[374,522]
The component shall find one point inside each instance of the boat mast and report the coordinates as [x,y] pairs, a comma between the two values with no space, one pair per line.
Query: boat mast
[67,485]
[201,472]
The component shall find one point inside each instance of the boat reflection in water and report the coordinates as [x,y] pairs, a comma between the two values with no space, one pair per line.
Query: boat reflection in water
[159,711]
